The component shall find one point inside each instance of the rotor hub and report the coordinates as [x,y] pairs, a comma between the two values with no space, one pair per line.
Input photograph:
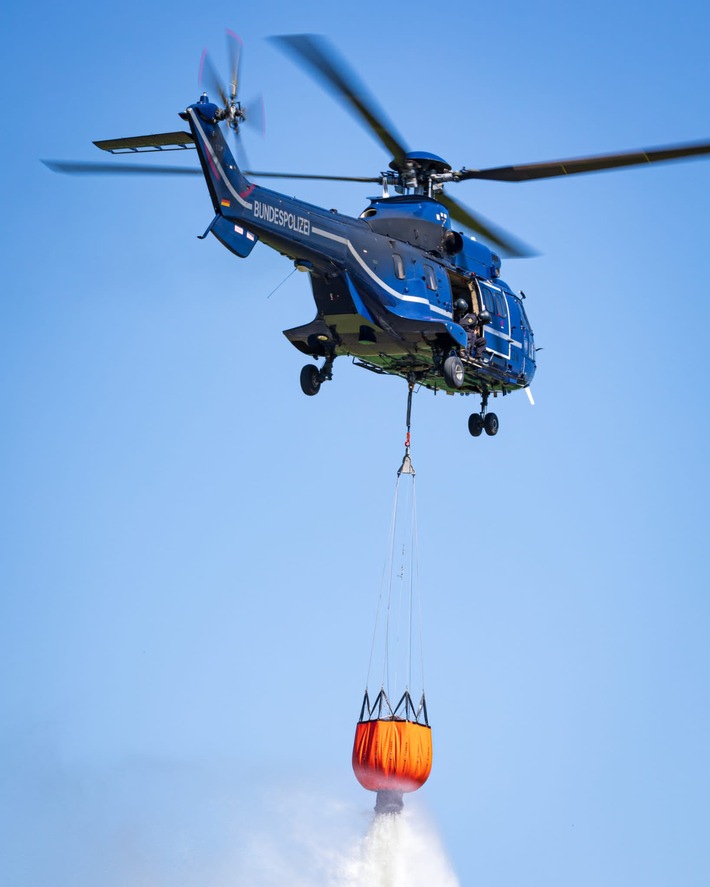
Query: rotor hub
[422,161]
[418,171]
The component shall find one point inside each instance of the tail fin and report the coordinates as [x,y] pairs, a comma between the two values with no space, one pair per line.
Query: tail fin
[229,188]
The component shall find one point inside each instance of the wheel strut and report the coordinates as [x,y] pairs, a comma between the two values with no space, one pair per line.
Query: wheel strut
[326,371]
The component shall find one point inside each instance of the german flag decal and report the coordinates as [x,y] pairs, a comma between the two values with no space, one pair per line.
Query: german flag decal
[225,202]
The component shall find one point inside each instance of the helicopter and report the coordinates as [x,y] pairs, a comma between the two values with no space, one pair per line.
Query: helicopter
[398,289]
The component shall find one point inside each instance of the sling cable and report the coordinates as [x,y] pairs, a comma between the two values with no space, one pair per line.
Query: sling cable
[392,752]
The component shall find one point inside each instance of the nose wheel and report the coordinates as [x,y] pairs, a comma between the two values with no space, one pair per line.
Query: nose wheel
[483,421]
[312,377]
[310,380]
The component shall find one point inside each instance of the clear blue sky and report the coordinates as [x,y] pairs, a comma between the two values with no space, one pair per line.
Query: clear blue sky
[190,549]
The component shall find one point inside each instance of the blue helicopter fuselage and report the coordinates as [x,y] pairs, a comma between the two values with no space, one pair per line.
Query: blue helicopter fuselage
[386,284]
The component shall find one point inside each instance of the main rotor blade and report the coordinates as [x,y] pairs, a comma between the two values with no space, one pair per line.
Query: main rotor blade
[315,54]
[82,167]
[506,243]
[546,170]
[298,175]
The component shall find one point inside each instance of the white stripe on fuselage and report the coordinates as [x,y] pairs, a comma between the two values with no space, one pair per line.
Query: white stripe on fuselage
[504,336]
[378,280]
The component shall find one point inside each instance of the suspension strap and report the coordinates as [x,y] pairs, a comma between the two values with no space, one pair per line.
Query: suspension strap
[406,467]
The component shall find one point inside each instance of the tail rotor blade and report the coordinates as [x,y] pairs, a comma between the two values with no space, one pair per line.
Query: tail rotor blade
[209,79]
[234,53]
[254,114]
[240,153]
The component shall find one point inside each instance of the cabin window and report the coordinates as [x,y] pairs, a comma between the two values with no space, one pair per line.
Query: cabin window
[430,277]
[495,303]
[486,299]
[398,266]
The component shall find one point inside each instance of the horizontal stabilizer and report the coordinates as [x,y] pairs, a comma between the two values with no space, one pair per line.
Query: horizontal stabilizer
[162,141]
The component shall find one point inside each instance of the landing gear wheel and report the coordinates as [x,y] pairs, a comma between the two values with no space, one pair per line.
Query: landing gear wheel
[453,371]
[490,423]
[475,424]
[310,380]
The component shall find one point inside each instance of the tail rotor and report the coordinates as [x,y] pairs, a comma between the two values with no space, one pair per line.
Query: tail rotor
[233,112]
